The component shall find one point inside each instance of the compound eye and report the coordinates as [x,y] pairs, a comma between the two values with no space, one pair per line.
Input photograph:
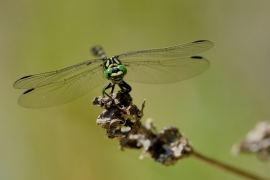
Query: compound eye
[108,73]
[122,68]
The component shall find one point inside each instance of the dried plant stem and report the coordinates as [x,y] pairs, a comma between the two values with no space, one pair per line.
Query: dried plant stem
[226,167]
[121,119]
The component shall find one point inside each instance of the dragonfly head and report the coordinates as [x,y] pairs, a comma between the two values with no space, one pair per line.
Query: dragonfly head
[114,70]
[116,74]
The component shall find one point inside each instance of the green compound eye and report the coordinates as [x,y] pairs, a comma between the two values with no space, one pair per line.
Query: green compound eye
[108,73]
[122,68]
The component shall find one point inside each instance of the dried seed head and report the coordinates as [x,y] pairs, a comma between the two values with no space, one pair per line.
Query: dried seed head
[166,147]
[120,117]
[256,141]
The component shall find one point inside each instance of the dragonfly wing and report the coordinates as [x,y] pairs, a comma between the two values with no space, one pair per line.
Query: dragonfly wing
[37,80]
[60,89]
[164,70]
[181,50]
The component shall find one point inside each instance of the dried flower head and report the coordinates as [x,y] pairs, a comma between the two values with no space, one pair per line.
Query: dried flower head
[256,141]
[166,147]
[120,117]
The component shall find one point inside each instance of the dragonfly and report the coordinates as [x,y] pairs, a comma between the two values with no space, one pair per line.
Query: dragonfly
[152,66]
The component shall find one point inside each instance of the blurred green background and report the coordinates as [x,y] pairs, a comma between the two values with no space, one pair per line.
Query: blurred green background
[214,110]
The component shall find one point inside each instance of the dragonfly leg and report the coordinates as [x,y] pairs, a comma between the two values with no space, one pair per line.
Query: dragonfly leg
[125,87]
[112,88]
[110,85]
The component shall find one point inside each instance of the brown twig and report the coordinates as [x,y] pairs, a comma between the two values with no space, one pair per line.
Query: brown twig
[226,167]
[121,119]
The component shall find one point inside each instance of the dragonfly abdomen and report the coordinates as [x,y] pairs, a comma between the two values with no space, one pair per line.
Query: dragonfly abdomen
[98,51]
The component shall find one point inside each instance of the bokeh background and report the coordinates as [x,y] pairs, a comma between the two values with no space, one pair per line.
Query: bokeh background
[214,110]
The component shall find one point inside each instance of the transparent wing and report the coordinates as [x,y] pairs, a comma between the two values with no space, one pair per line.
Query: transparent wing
[180,50]
[165,65]
[37,80]
[60,86]
[164,70]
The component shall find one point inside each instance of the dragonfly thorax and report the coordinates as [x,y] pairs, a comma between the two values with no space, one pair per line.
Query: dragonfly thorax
[114,70]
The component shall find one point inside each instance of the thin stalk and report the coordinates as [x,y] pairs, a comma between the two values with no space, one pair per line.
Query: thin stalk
[226,167]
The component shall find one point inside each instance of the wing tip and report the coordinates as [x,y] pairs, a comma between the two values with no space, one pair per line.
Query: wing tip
[196,57]
[204,41]
[25,77]
[200,58]
[29,90]
[16,84]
